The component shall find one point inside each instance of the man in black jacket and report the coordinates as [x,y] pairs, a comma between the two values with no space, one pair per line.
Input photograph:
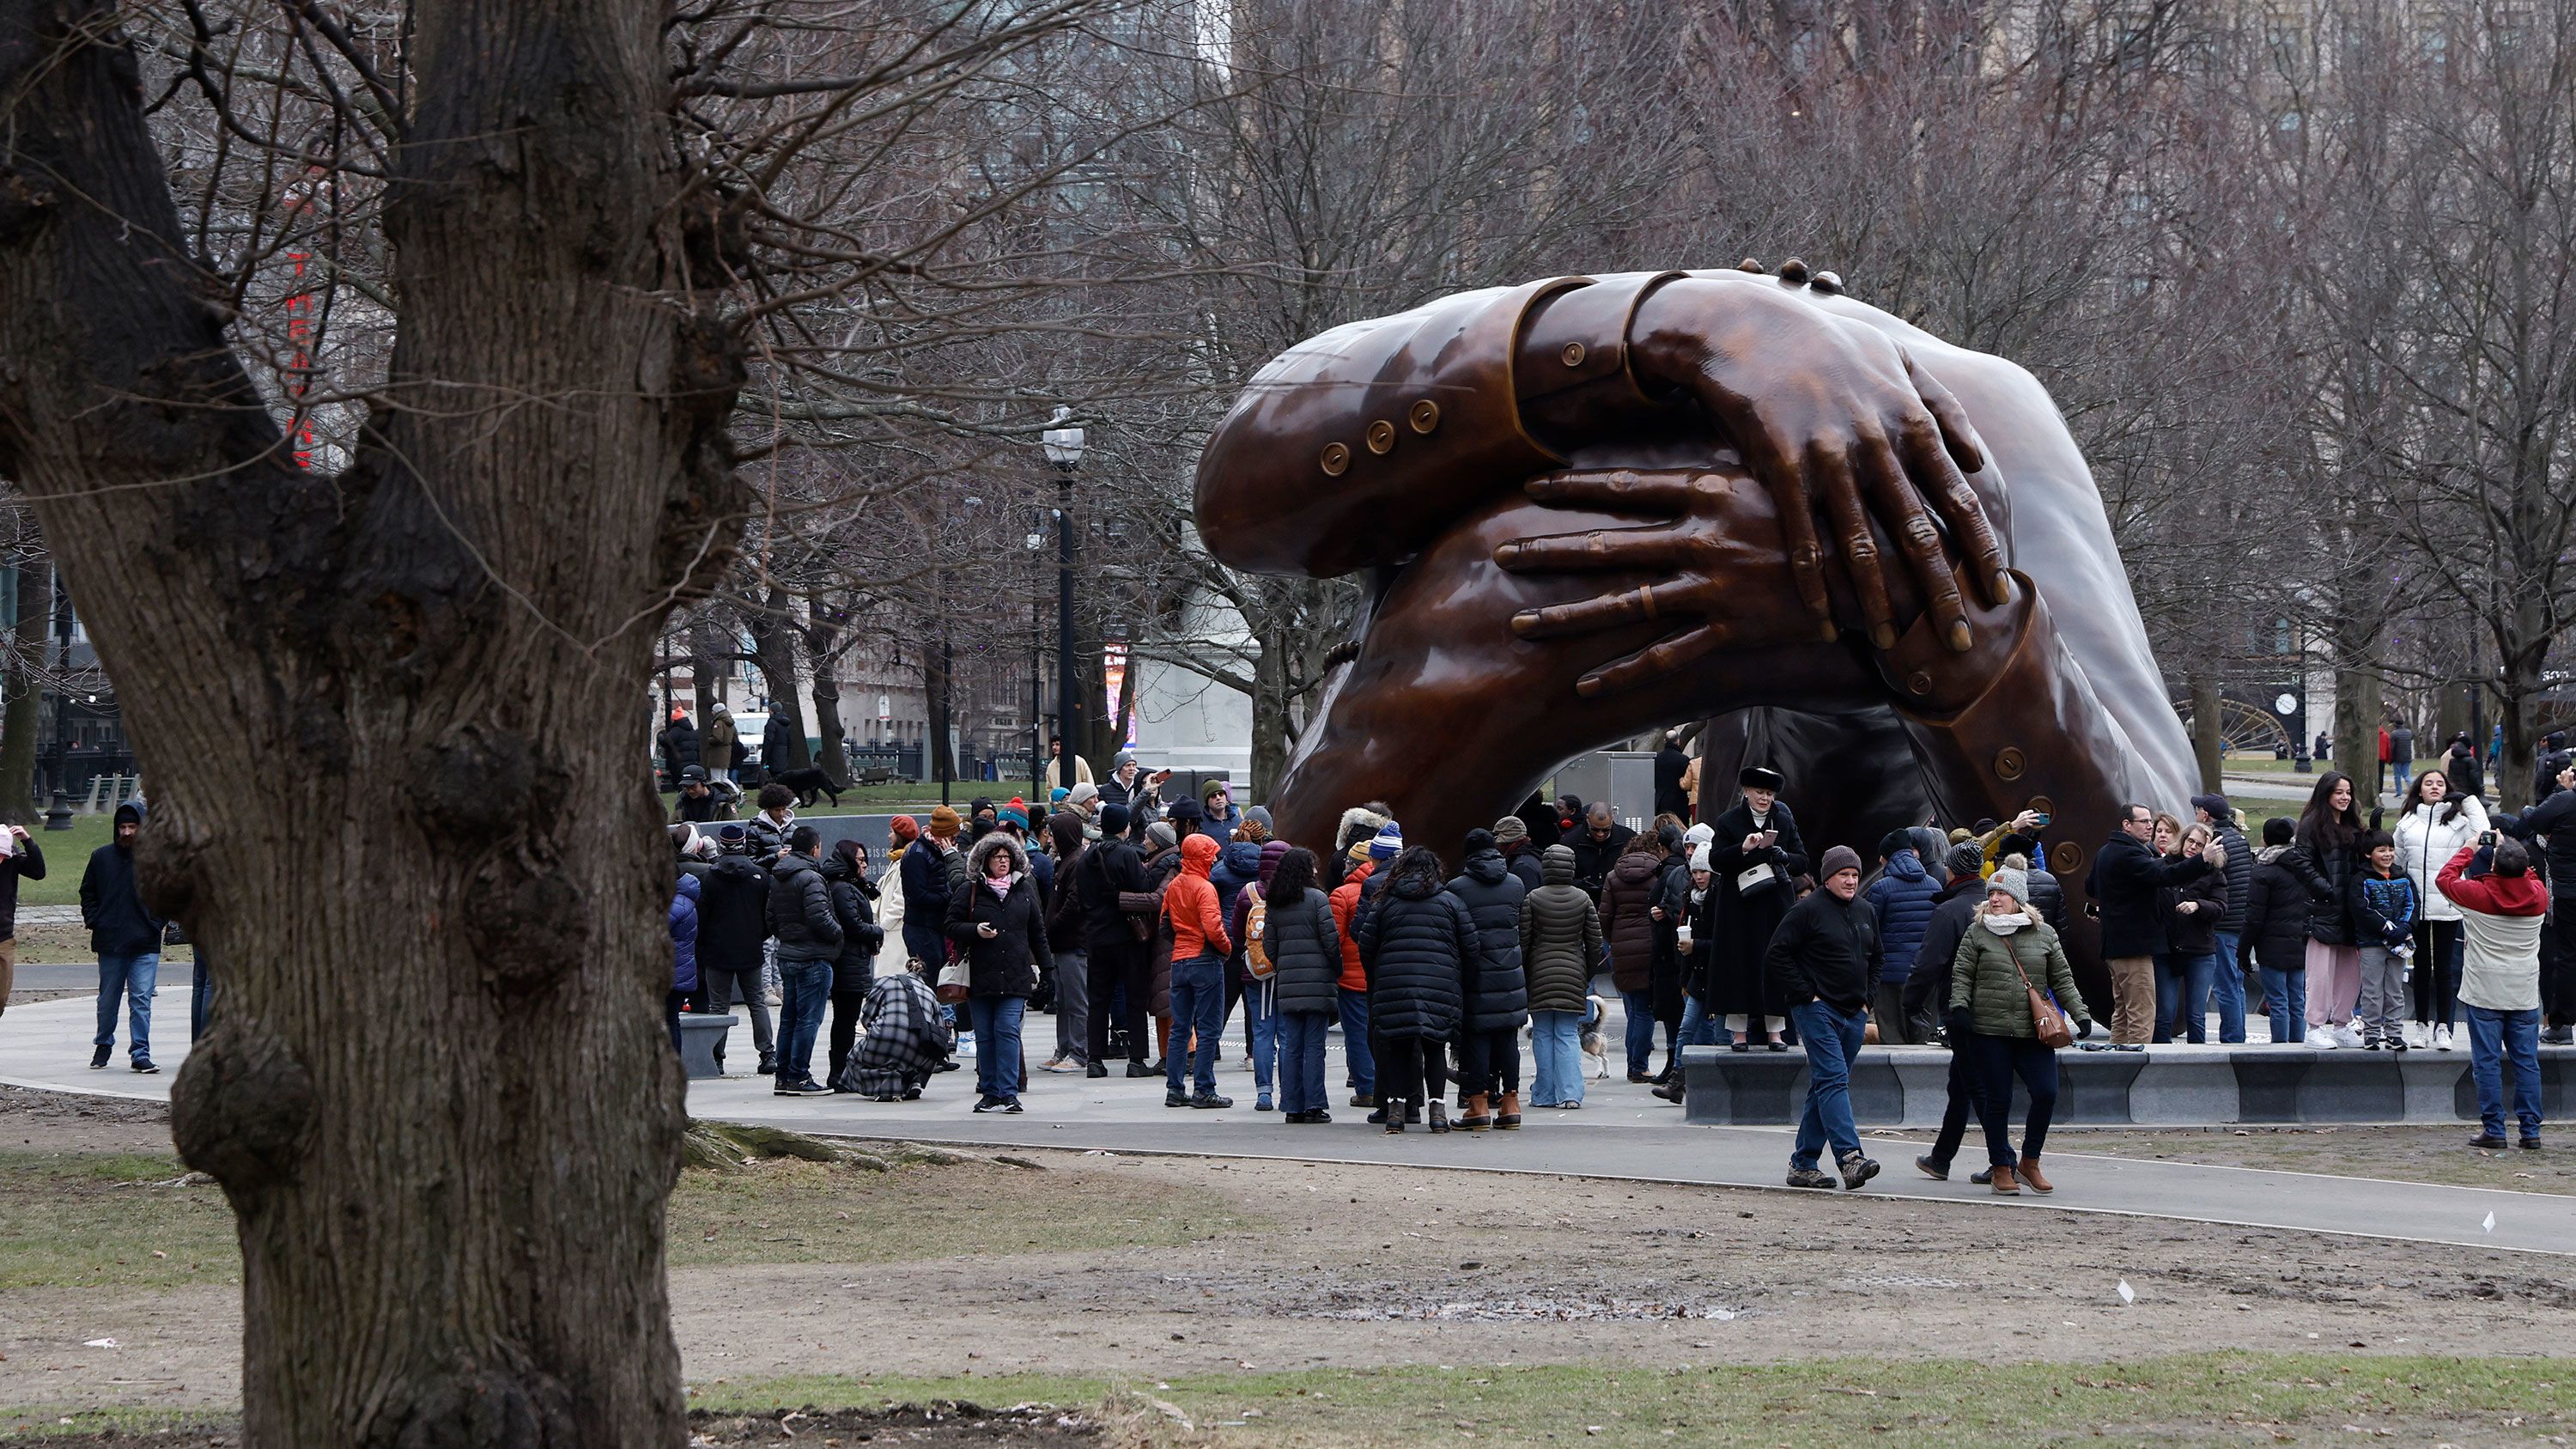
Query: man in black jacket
[809,940]
[1598,846]
[733,927]
[1118,960]
[1670,766]
[23,862]
[1826,957]
[127,939]
[1927,992]
[2126,876]
[2212,811]
[2555,818]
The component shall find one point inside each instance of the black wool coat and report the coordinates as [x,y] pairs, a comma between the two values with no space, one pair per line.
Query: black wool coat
[1746,917]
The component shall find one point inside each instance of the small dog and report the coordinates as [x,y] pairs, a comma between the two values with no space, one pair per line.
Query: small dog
[809,782]
[1596,1052]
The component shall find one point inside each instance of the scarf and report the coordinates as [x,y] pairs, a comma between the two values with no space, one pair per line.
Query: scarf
[2006,925]
[1002,884]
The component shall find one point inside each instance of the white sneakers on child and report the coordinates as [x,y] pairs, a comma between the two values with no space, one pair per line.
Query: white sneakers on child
[2323,1038]
[2441,1038]
[2351,1035]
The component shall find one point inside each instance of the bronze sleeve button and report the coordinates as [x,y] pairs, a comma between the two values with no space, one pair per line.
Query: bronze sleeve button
[1337,459]
[2008,762]
[1573,354]
[1424,415]
[1381,436]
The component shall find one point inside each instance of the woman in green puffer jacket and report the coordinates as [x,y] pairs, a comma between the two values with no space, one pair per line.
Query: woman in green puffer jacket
[2006,951]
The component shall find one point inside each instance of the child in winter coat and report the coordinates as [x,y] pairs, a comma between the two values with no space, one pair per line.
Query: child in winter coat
[2384,909]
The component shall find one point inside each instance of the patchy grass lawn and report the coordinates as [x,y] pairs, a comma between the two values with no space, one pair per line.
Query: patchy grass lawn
[129,1220]
[2261,1397]
[66,856]
[111,1220]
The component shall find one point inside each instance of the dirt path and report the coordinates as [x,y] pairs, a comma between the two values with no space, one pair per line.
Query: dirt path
[1362,1266]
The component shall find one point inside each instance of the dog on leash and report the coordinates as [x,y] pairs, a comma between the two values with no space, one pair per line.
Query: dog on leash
[810,782]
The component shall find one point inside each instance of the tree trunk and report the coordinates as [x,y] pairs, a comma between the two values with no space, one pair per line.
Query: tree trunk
[822,633]
[773,649]
[942,761]
[1269,719]
[2206,730]
[2356,733]
[22,717]
[447,1238]
[2523,682]
[706,670]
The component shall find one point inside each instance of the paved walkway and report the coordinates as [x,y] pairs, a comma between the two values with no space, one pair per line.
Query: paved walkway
[1621,1132]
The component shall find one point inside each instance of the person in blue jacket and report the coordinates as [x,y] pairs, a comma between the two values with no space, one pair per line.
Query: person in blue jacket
[1904,895]
[684,953]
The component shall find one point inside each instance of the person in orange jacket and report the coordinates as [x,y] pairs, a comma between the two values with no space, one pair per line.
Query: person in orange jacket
[1367,857]
[1199,948]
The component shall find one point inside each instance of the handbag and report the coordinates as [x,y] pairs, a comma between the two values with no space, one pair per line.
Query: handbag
[2055,1032]
[955,979]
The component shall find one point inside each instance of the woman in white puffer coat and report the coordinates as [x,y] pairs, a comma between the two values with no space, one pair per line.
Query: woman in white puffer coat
[2434,824]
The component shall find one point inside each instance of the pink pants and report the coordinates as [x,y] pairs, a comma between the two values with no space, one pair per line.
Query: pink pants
[2334,983]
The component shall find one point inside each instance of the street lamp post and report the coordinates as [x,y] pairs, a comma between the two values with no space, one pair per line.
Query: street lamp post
[59,815]
[1037,708]
[1064,449]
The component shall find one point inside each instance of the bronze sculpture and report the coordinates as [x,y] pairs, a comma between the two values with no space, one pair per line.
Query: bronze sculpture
[1592,505]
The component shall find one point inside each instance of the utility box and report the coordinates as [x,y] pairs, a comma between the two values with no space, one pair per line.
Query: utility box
[1625,778]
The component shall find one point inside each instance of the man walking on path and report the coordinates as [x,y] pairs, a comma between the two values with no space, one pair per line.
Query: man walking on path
[127,939]
[1826,958]
[20,859]
[2126,877]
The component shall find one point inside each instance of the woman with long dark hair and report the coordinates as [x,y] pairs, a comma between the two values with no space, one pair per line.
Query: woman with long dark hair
[2323,855]
[2434,822]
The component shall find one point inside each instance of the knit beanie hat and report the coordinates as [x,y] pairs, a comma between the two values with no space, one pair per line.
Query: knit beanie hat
[1113,820]
[943,823]
[1260,815]
[1162,833]
[1359,850]
[1839,858]
[1701,834]
[1058,795]
[2014,883]
[1479,840]
[1509,829]
[904,829]
[1389,842]
[1699,856]
[1965,862]
[1084,792]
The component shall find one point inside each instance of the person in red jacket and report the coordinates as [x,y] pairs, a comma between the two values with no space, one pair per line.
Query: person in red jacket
[2501,911]
[1199,949]
[1357,1054]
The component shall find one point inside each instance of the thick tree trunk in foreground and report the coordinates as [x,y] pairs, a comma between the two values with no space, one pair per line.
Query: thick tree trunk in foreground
[2206,734]
[451,1227]
[2356,734]
[20,716]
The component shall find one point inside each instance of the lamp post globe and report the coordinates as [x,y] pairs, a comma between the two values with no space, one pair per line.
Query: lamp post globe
[1063,445]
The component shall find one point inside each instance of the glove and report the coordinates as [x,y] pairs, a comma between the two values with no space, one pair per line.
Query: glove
[2083,1030]
[1960,1022]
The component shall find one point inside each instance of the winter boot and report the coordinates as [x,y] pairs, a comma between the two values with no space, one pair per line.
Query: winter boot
[1509,1119]
[2004,1184]
[2030,1178]
[1439,1116]
[1473,1119]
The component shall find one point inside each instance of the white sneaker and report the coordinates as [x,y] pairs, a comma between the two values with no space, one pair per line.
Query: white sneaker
[2323,1038]
[2441,1038]
[2351,1035]
[2413,1034]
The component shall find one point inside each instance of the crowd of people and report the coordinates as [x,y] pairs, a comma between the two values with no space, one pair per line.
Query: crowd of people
[1143,925]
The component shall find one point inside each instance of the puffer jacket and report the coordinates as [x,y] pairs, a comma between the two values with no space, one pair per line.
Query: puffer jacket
[1624,897]
[1006,963]
[854,906]
[800,911]
[1903,895]
[2554,818]
[1238,864]
[1190,903]
[1416,943]
[1497,988]
[2383,908]
[2327,874]
[733,914]
[2240,876]
[1560,936]
[2276,913]
[1986,978]
[684,935]
[1305,950]
[1346,907]
[2426,842]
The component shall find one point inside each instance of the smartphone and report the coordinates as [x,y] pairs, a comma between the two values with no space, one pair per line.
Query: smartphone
[2487,838]
[2040,820]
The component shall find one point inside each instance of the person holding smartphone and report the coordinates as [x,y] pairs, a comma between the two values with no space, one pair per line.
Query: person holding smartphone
[1757,853]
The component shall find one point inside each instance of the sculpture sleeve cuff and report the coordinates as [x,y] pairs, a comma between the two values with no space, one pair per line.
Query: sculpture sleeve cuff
[1573,369]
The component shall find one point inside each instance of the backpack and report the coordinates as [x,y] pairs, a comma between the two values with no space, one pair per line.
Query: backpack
[1256,915]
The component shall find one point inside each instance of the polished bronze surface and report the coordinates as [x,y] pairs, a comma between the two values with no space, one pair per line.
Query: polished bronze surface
[1869,558]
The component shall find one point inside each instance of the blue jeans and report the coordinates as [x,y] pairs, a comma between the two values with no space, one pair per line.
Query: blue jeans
[2230,988]
[1301,1062]
[1701,1028]
[804,989]
[2494,1035]
[999,1072]
[1261,1026]
[1198,1007]
[1640,1007]
[2285,1001]
[201,998]
[1556,1057]
[2182,996]
[132,978]
[1832,1039]
[1356,1056]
